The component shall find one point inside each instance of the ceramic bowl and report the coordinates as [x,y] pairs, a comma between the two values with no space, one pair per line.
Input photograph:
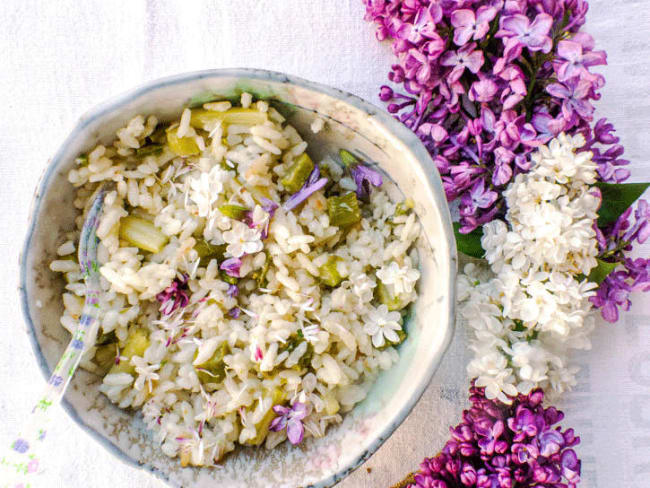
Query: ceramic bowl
[351,123]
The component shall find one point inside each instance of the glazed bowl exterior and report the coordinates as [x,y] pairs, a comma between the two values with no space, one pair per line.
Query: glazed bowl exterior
[351,123]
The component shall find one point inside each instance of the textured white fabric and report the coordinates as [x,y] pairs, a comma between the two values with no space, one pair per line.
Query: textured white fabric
[60,58]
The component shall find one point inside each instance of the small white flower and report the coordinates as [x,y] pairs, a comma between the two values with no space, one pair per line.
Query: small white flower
[362,286]
[145,372]
[403,278]
[206,188]
[241,240]
[532,361]
[498,386]
[382,325]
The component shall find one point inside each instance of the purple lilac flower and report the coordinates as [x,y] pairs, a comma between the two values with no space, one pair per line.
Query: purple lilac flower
[574,61]
[231,266]
[550,442]
[269,206]
[365,177]
[487,82]
[232,291]
[466,57]
[312,185]
[504,446]
[174,296]
[471,25]
[615,243]
[519,32]
[483,90]
[423,26]
[573,94]
[290,418]
[477,197]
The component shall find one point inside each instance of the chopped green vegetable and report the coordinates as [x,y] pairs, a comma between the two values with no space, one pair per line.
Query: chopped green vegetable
[136,344]
[393,302]
[231,280]
[329,273]
[262,427]
[347,158]
[237,115]
[106,338]
[260,275]
[404,207]
[82,160]
[214,369]
[149,150]
[141,213]
[331,404]
[142,233]
[305,360]
[343,210]
[105,357]
[207,251]
[292,342]
[298,173]
[159,135]
[182,146]
[236,212]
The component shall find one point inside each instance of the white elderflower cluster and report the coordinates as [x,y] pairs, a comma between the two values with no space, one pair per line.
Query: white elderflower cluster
[532,306]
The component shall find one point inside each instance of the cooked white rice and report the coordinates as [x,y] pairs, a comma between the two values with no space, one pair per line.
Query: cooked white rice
[295,338]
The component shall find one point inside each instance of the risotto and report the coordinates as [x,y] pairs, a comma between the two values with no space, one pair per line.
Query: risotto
[250,294]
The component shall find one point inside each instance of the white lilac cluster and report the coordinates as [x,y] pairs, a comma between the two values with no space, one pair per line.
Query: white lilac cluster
[532,306]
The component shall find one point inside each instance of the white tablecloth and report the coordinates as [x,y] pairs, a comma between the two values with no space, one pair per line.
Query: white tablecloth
[57,59]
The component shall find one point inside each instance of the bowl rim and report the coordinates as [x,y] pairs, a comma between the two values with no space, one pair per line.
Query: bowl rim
[396,128]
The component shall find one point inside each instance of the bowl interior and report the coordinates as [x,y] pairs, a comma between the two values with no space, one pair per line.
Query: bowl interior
[350,123]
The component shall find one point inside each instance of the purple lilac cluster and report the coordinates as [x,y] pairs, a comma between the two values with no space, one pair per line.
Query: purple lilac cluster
[505,446]
[615,243]
[174,296]
[486,82]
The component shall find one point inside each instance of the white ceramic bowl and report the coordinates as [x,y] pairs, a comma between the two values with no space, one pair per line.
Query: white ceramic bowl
[351,123]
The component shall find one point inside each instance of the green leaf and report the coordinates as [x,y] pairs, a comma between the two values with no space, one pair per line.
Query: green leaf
[617,197]
[600,272]
[469,244]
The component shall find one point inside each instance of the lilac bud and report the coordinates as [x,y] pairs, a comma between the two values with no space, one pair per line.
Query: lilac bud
[468,475]
[504,478]
[385,93]
[453,466]
[393,108]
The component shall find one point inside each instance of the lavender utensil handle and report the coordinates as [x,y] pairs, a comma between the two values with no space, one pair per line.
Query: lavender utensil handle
[22,460]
